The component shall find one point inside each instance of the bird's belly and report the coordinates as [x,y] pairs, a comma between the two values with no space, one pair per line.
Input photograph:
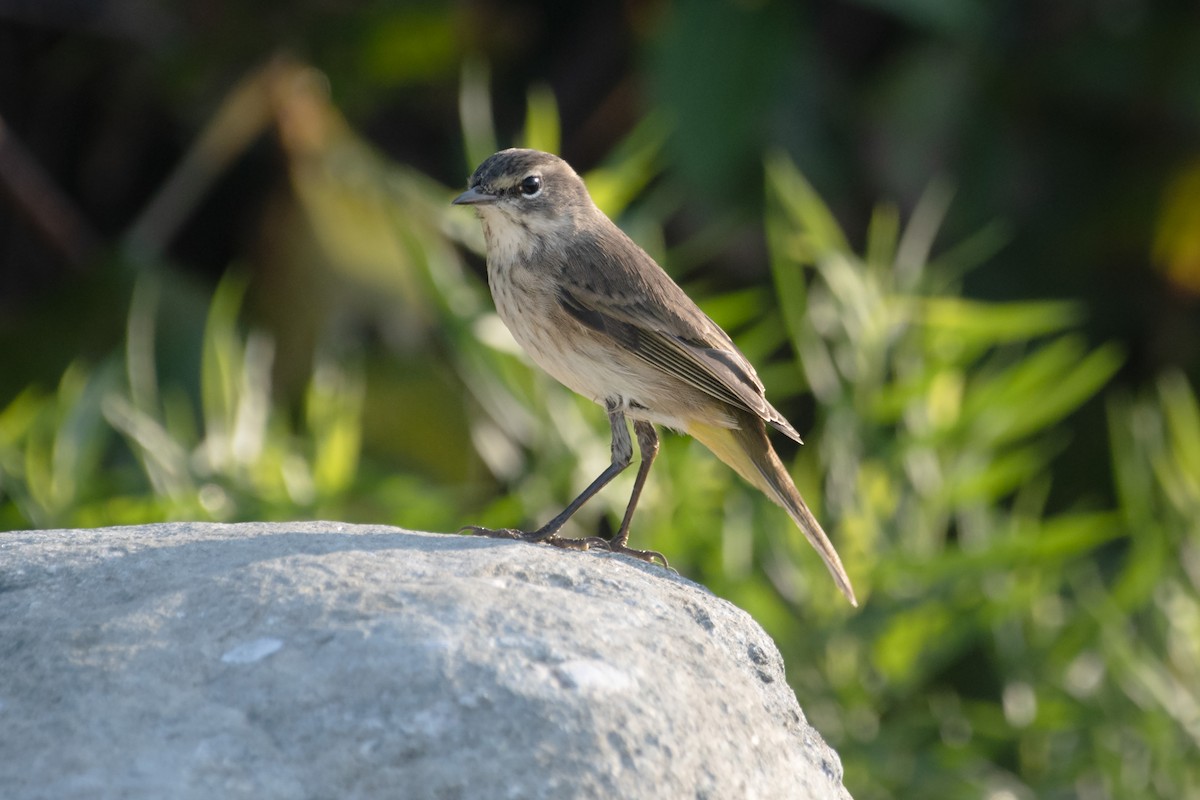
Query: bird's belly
[597,368]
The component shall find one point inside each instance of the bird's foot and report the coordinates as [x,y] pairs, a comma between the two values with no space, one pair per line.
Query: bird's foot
[649,556]
[588,543]
[537,536]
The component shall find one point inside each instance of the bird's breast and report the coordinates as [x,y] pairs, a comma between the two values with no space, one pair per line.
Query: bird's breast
[582,359]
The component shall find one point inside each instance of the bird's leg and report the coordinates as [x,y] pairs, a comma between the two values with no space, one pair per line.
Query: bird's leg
[648,446]
[622,454]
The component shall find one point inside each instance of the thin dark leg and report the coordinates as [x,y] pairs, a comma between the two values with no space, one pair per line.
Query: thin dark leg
[622,454]
[648,447]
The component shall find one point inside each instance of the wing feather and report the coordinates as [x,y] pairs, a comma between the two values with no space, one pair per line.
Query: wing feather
[614,287]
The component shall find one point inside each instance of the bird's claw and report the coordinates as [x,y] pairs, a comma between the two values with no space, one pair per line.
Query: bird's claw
[495,533]
[649,556]
[587,543]
[578,544]
[537,536]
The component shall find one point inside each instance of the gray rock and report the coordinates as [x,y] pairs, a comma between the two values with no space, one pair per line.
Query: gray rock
[325,660]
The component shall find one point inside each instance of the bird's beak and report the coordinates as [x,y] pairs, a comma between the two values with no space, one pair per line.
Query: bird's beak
[474,197]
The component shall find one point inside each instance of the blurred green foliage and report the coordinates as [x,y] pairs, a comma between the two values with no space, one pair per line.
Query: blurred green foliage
[997,650]
[1002,650]
[1021,530]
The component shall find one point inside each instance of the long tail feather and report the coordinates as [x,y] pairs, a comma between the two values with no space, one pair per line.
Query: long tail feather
[747,450]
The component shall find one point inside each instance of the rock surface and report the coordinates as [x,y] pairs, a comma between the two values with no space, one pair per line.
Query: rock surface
[322,660]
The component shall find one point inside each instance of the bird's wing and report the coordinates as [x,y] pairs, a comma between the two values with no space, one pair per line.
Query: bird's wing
[652,318]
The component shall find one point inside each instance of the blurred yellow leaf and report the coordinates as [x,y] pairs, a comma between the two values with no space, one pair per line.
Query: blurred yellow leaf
[1176,247]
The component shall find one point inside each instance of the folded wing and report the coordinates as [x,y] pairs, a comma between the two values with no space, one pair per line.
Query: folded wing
[701,354]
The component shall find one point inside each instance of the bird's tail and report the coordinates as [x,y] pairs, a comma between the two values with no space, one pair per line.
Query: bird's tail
[748,451]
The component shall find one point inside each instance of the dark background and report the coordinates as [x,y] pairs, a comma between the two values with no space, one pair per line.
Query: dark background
[1068,122]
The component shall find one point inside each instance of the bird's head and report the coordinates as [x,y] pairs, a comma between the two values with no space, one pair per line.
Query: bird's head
[527,193]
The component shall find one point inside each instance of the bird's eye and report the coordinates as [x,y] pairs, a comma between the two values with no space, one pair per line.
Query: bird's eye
[531,186]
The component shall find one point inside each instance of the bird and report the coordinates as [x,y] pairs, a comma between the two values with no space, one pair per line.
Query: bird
[596,312]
